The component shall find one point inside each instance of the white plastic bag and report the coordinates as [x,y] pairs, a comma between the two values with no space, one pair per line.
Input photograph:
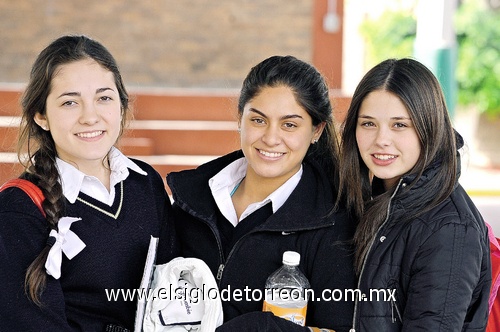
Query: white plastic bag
[186,298]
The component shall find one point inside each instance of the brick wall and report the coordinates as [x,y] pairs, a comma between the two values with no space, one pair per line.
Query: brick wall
[161,43]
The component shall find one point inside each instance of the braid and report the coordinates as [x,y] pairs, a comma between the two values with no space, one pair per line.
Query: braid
[45,165]
[43,172]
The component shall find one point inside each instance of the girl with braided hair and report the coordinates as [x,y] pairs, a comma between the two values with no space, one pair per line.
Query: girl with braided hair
[101,208]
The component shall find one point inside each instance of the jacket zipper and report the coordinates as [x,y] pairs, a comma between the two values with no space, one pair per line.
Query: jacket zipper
[221,251]
[220,270]
[353,329]
[395,306]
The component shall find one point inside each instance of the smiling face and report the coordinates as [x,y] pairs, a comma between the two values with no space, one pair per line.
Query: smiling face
[386,137]
[83,113]
[276,133]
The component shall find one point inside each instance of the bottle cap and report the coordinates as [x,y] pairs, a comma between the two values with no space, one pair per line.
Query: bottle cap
[291,258]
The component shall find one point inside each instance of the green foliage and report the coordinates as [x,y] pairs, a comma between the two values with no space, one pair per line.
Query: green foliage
[390,36]
[478,68]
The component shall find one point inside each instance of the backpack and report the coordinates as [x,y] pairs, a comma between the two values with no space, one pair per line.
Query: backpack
[494,299]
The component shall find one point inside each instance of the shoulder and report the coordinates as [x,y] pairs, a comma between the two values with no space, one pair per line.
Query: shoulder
[457,209]
[315,185]
[14,200]
[144,165]
[20,218]
[152,173]
[199,176]
[452,220]
[212,167]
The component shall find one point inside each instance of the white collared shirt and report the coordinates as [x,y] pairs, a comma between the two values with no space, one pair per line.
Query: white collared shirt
[223,183]
[73,180]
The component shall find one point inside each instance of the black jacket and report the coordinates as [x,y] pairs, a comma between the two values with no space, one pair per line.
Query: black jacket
[301,224]
[435,269]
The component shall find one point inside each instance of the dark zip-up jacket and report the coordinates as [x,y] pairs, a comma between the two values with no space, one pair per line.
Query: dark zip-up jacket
[302,224]
[435,269]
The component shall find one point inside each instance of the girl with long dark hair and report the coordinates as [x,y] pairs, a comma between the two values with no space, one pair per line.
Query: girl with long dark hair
[419,239]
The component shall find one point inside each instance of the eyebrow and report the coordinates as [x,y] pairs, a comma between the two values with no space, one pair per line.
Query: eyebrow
[285,117]
[392,118]
[74,93]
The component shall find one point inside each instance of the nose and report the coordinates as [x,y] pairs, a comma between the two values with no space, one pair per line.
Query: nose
[271,136]
[383,137]
[89,114]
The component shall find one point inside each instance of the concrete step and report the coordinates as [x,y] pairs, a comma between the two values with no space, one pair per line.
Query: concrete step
[136,146]
[10,100]
[9,166]
[188,142]
[184,104]
[8,138]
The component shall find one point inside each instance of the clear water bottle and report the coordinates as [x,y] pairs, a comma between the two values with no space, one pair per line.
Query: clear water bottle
[286,294]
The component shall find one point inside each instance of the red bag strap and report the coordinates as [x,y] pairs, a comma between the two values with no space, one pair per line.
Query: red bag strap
[29,188]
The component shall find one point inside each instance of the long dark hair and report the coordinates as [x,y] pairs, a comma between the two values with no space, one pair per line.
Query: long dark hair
[311,92]
[420,92]
[40,163]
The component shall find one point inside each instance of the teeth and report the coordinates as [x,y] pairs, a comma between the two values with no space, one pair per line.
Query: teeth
[384,156]
[271,154]
[90,135]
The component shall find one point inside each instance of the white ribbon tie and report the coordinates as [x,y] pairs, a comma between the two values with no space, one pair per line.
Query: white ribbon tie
[67,242]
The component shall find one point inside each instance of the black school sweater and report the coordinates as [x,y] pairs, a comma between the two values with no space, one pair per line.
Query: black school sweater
[116,239]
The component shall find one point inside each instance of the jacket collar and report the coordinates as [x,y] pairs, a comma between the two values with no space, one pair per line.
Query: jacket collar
[313,196]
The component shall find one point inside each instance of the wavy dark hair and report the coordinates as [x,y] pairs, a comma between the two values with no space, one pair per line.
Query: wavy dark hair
[420,92]
[40,163]
[311,93]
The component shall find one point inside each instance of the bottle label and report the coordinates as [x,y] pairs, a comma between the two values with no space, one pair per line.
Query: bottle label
[297,314]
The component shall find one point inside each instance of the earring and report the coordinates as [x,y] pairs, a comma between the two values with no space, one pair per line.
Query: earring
[315,141]
[239,130]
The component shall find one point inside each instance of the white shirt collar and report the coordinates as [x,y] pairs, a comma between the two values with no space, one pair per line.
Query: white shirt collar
[229,177]
[73,180]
